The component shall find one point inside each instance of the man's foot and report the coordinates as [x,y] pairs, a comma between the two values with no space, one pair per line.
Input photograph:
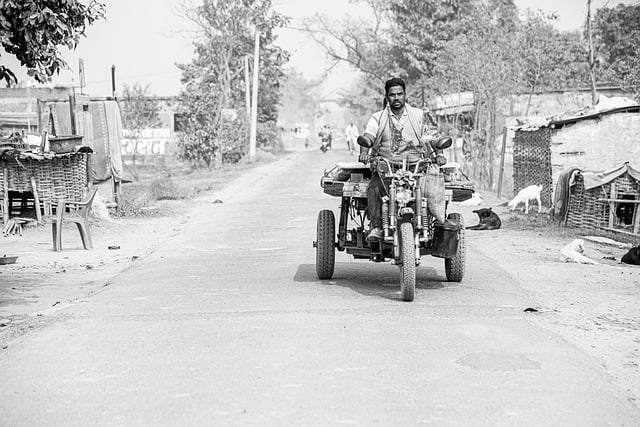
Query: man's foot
[375,235]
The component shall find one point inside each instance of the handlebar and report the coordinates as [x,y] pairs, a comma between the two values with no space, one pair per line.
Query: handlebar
[415,170]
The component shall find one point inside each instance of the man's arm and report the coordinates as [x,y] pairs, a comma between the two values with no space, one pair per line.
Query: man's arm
[365,142]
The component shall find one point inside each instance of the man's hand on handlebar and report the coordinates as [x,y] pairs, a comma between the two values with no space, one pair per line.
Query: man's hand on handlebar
[364,157]
[441,160]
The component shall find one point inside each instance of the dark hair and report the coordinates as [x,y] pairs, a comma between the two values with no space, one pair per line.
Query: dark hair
[395,81]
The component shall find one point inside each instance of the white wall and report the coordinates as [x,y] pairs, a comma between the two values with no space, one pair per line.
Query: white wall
[596,145]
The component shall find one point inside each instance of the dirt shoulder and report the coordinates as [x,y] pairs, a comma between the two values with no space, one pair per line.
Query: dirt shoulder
[42,281]
[594,307]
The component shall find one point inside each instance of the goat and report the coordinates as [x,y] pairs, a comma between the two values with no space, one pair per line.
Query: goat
[531,192]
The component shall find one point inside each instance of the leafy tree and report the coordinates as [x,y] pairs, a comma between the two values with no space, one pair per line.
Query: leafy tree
[422,27]
[617,38]
[484,59]
[550,59]
[34,30]
[214,81]
[139,112]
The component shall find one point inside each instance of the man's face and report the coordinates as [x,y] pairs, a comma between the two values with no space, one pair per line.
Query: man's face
[395,97]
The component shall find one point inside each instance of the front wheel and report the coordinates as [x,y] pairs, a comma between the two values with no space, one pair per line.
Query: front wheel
[408,259]
[454,266]
[325,244]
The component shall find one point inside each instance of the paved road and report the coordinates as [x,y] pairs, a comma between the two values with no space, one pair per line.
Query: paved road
[227,324]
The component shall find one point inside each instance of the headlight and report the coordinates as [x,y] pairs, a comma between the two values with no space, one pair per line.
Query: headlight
[404,196]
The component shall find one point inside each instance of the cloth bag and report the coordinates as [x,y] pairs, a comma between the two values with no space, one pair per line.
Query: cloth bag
[432,187]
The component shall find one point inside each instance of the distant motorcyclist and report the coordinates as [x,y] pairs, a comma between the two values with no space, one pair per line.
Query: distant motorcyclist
[325,138]
[400,132]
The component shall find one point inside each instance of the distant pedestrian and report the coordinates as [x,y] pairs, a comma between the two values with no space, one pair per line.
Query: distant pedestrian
[351,133]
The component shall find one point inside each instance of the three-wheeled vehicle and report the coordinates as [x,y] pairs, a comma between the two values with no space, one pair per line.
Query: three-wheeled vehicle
[409,229]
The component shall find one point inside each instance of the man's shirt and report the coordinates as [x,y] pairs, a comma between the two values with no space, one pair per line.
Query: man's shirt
[394,149]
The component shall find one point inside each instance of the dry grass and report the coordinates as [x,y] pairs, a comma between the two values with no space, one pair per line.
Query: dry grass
[543,223]
[179,183]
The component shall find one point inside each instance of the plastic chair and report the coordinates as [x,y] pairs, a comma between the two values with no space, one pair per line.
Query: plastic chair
[79,214]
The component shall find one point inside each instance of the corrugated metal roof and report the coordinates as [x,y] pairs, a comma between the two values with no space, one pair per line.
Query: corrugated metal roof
[604,107]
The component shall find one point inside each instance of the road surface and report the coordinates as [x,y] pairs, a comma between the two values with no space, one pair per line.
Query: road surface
[227,324]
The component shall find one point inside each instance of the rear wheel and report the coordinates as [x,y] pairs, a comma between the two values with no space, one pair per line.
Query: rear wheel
[325,244]
[408,259]
[454,266]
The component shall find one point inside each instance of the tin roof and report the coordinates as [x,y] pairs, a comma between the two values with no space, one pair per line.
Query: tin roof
[604,106]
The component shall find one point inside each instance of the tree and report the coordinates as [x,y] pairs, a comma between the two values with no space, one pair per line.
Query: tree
[484,59]
[365,44]
[214,81]
[34,30]
[549,59]
[422,28]
[139,112]
[616,34]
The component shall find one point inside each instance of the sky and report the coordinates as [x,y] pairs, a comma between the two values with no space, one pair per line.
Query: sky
[145,39]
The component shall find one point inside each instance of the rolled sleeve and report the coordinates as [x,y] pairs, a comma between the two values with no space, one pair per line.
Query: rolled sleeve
[372,125]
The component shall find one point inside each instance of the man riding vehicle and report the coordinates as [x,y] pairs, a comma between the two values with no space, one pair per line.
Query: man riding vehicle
[400,132]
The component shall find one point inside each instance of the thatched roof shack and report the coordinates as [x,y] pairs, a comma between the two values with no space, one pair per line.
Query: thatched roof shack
[592,139]
[608,201]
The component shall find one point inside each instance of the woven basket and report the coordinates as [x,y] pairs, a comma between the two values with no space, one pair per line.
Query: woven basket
[58,177]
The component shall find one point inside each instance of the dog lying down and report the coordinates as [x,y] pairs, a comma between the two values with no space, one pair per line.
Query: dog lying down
[531,192]
[573,252]
[489,220]
[632,257]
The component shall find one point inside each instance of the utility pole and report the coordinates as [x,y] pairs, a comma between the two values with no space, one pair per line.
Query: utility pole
[592,61]
[247,86]
[254,99]
[113,81]
[81,73]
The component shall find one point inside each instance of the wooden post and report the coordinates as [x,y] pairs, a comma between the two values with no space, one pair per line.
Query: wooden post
[39,110]
[612,204]
[36,200]
[72,113]
[5,195]
[501,172]
[116,193]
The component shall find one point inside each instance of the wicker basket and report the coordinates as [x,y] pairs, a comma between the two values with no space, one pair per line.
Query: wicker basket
[58,177]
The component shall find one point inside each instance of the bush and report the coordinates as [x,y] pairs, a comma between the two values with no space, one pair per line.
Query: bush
[166,189]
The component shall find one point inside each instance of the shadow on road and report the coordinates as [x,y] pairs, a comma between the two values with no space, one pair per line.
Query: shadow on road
[372,279]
